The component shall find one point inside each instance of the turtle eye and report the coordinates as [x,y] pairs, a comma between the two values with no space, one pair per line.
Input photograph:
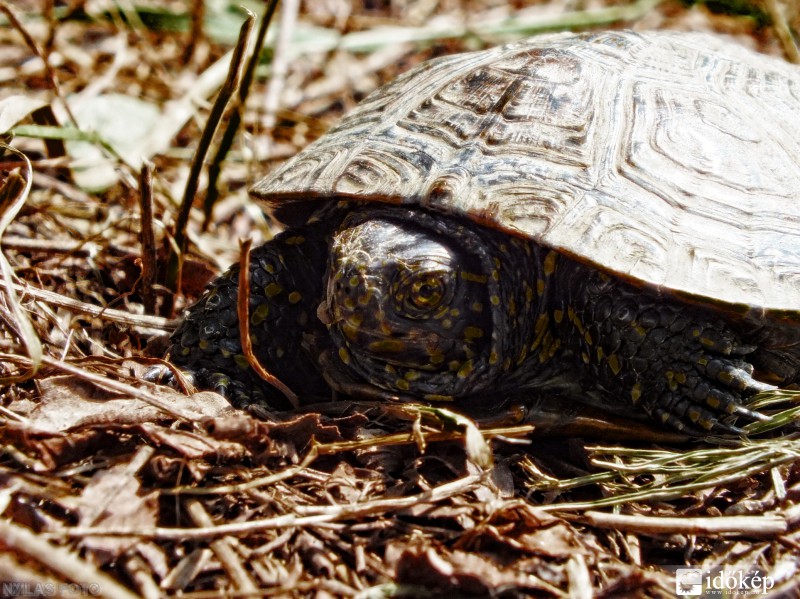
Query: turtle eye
[427,293]
[420,292]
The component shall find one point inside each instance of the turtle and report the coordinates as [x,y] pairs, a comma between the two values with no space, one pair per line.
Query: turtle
[612,217]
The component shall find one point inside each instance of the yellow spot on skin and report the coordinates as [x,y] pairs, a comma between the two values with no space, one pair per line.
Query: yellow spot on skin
[273,289]
[344,355]
[259,314]
[547,342]
[202,345]
[475,278]
[493,358]
[529,292]
[588,336]
[707,342]
[435,397]
[495,300]
[363,300]
[512,307]
[600,354]
[496,275]
[411,375]
[387,346]
[713,402]
[522,355]
[680,377]
[296,240]
[454,365]
[540,287]
[558,316]
[476,307]
[447,323]
[636,393]
[694,414]
[350,332]
[295,297]
[437,358]
[702,361]
[270,269]
[349,303]
[455,312]
[585,357]
[640,330]
[241,362]
[473,332]
[441,313]
[402,384]
[576,321]
[550,263]
[613,364]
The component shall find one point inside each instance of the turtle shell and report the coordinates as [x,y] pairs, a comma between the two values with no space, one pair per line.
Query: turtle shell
[669,159]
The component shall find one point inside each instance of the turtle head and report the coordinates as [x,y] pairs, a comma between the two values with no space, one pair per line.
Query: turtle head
[413,302]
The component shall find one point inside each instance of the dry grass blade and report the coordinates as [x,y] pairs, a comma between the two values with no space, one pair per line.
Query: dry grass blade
[304,517]
[645,475]
[119,316]
[13,194]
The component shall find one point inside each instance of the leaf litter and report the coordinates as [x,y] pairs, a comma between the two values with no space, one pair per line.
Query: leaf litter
[124,488]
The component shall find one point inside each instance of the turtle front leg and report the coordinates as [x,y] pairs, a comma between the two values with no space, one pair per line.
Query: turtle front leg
[285,289]
[682,364]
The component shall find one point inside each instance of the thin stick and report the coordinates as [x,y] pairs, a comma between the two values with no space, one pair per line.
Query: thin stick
[175,261]
[68,564]
[753,526]
[328,514]
[243,311]
[148,237]
[235,120]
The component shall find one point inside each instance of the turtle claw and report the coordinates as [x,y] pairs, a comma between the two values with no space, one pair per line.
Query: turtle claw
[711,391]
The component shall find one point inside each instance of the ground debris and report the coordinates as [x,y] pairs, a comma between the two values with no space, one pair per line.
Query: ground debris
[121,487]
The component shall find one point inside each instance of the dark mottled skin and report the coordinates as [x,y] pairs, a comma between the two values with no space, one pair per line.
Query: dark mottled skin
[563,327]
[208,341]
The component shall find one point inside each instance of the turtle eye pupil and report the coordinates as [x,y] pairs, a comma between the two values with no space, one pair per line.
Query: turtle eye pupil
[426,293]
[420,292]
